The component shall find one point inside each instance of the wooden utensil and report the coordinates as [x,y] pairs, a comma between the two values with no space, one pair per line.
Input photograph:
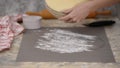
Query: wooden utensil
[45,14]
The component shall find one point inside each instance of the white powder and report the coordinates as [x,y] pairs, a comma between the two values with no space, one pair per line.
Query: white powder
[63,41]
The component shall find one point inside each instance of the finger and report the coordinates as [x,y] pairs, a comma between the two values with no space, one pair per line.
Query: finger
[65,18]
[80,20]
[67,11]
[70,21]
[74,20]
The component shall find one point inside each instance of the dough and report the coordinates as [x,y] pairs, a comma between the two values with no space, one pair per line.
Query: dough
[60,5]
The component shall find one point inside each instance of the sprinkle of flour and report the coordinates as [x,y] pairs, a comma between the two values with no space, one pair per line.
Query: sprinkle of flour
[63,41]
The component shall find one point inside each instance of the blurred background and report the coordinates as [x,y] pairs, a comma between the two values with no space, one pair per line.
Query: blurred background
[20,6]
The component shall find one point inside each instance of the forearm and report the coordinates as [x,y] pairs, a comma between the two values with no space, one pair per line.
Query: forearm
[97,4]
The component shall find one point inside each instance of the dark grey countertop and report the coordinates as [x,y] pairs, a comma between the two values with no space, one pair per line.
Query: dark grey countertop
[8,58]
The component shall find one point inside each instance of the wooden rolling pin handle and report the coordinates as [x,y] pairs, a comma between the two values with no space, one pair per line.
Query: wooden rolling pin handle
[94,14]
[106,12]
[33,13]
[45,14]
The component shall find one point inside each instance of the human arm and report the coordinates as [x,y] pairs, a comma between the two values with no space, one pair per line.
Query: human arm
[82,10]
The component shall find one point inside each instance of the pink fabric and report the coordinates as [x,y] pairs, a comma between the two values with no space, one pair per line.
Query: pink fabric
[9,28]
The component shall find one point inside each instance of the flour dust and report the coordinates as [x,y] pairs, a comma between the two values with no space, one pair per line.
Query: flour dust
[63,41]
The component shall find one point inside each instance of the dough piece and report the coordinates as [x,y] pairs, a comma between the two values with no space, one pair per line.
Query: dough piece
[60,5]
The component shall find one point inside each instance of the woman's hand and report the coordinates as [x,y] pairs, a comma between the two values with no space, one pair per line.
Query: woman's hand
[81,11]
[78,12]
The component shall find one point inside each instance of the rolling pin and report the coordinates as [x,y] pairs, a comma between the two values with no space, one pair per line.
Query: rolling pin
[45,14]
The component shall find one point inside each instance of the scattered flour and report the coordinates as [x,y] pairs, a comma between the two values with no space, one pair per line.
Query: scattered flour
[63,41]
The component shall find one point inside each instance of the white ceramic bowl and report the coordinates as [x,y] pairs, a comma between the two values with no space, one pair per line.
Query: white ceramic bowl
[31,22]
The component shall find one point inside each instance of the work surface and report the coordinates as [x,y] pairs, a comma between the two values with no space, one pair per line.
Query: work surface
[8,58]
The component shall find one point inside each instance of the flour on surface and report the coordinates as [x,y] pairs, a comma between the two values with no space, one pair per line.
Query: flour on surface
[63,41]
